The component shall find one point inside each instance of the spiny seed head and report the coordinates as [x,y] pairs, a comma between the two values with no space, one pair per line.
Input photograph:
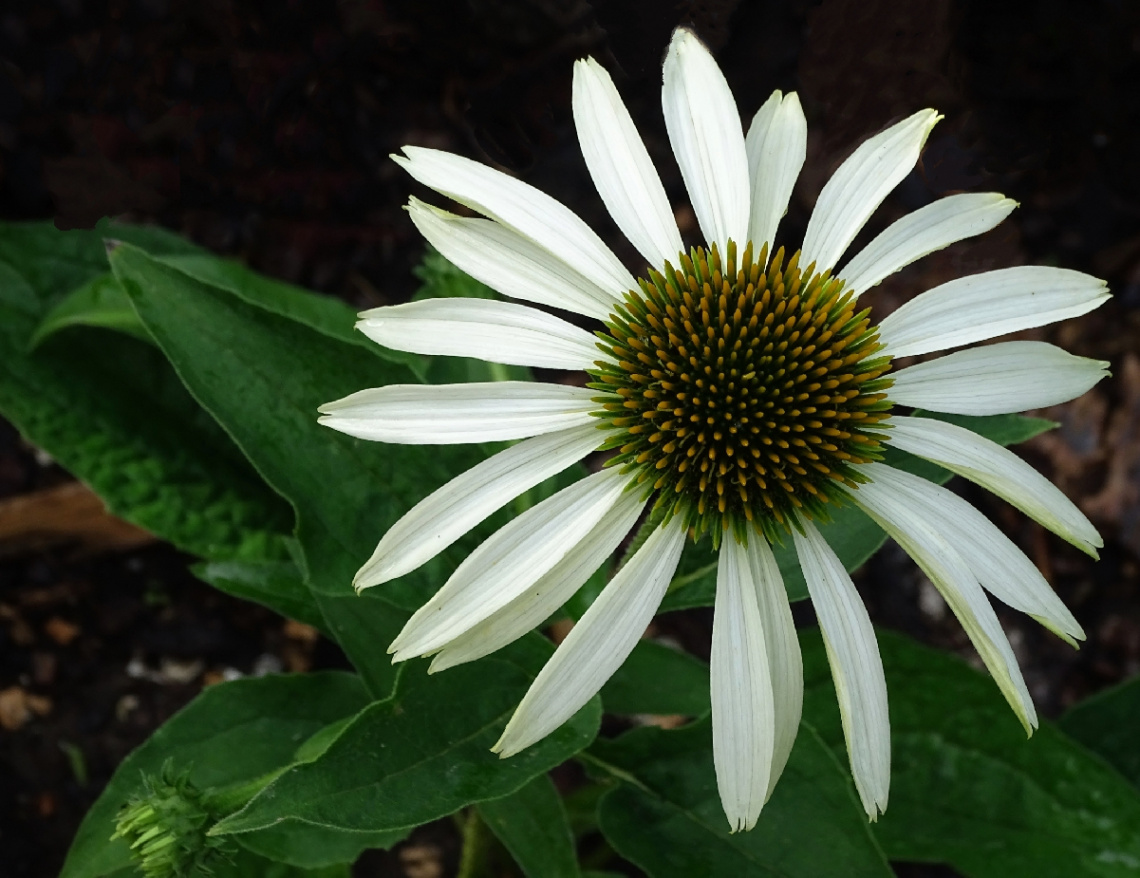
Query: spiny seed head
[744,396]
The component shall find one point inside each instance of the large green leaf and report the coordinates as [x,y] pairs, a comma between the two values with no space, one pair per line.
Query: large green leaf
[664,813]
[1109,724]
[969,790]
[111,411]
[263,376]
[423,753]
[657,679]
[531,823]
[230,734]
[853,536]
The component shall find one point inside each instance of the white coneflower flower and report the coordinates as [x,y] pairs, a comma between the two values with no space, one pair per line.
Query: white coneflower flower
[744,394]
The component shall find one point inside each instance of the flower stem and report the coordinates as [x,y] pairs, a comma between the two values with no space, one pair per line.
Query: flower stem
[472,859]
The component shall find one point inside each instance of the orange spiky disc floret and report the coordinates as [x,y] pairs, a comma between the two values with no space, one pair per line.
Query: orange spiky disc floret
[742,395]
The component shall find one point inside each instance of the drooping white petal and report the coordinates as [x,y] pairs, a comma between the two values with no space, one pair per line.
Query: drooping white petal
[452,414]
[510,263]
[901,507]
[527,210]
[743,704]
[856,667]
[784,660]
[998,470]
[620,166]
[999,565]
[937,225]
[983,306]
[599,643]
[997,379]
[444,516]
[497,332]
[510,561]
[550,592]
[859,186]
[704,130]
[776,146]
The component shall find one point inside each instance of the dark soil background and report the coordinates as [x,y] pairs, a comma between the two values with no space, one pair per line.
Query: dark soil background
[262,130]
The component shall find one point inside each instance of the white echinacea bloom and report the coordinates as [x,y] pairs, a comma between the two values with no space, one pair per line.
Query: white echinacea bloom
[743,394]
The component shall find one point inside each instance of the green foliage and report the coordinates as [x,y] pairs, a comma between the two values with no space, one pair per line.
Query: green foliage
[660,680]
[967,789]
[531,823]
[664,813]
[238,359]
[99,303]
[183,388]
[1109,724]
[421,754]
[231,734]
[279,585]
[111,410]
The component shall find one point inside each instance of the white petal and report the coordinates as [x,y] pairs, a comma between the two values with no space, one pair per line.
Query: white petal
[937,225]
[444,516]
[510,561]
[776,146]
[860,185]
[620,166]
[996,379]
[986,305]
[784,660]
[549,593]
[599,643]
[902,507]
[509,262]
[451,414]
[991,556]
[498,332]
[999,470]
[527,210]
[704,129]
[856,667]
[743,705]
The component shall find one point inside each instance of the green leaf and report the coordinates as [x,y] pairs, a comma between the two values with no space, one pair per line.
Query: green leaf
[969,790]
[279,585]
[262,376]
[104,303]
[231,733]
[659,680]
[99,303]
[531,823]
[305,846]
[665,816]
[53,263]
[110,410]
[245,864]
[423,753]
[323,313]
[1109,724]
[853,536]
